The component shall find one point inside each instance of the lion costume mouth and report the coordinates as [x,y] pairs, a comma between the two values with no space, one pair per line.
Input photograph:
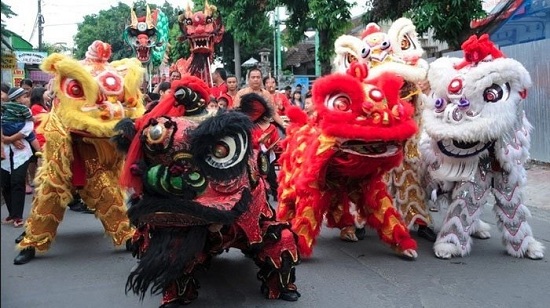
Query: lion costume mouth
[374,149]
[461,149]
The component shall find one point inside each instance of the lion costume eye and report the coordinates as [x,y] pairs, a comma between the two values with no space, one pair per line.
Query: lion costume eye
[339,102]
[227,152]
[495,93]
[405,43]
[440,104]
[385,44]
[72,88]
[221,146]
[365,52]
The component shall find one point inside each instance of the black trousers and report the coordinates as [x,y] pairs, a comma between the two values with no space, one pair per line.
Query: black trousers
[272,180]
[13,188]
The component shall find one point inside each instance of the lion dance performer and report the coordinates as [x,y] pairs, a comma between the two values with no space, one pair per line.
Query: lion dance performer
[265,136]
[476,142]
[203,30]
[198,192]
[334,164]
[92,95]
[398,51]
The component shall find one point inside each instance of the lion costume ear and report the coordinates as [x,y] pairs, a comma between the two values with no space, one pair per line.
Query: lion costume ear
[49,64]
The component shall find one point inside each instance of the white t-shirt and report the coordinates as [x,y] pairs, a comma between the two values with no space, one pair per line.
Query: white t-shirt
[20,156]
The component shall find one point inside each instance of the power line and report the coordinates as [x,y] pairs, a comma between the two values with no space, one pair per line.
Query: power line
[67,24]
[34,28]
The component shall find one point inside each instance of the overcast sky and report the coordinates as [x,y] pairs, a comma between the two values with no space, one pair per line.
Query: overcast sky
[62,16]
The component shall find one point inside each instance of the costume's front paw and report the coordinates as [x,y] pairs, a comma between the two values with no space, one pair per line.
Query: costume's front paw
[535,250]
[410,254]
[347,234]
[446,250]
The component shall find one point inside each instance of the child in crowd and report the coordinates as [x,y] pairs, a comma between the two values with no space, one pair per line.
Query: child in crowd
[14,115]
[212,106]
[225,101]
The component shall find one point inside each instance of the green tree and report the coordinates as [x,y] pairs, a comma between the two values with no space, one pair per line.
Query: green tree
[449,19]
[6,13]
[247,23]
[107,26]
[331,18]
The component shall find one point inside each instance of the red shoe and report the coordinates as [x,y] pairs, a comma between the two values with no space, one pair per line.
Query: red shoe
[8,220]
[18,222]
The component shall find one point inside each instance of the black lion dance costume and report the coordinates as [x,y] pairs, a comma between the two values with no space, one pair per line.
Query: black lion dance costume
[197,192]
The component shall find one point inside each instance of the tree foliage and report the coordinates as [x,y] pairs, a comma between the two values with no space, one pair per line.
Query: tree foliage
[331,18]
[107,26]
[6,13]
[247,22]
[449,19]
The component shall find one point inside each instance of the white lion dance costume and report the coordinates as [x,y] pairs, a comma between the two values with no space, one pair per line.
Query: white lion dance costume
[476,143]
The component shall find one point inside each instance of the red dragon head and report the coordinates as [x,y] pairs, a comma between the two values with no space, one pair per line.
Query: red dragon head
[203,29]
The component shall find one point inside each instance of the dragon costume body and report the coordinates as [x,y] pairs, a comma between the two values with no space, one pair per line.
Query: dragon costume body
[199,192]
[476,142]
[333,164]
[92,95]
[148,37]
[398,51]
[203,30]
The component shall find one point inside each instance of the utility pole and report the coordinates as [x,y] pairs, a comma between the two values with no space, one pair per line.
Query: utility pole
[317,61]
[237,55]
[279,70]
[40,25]
[274,49]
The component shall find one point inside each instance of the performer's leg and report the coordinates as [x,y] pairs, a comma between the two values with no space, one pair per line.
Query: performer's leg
[310,207]
[48,209]
[454,237]
[512,216]
[277,261]
[344,215]
[103,195]
[383,217]
[272,180]
[180,292]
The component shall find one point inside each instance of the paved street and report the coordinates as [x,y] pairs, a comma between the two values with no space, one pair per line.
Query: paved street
[82,269]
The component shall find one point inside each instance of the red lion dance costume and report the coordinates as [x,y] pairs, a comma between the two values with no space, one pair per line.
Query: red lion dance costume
[198,192]
[338,159]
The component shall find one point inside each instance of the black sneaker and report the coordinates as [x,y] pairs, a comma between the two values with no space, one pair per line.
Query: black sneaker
[426,233]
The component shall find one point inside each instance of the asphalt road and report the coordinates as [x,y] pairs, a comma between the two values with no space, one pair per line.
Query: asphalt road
[82,269]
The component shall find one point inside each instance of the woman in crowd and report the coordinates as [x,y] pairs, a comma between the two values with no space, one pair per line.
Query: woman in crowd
[297,99]
[17,151]
[40,100]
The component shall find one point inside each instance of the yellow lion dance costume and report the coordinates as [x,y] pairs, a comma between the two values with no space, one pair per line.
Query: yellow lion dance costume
[92,95]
